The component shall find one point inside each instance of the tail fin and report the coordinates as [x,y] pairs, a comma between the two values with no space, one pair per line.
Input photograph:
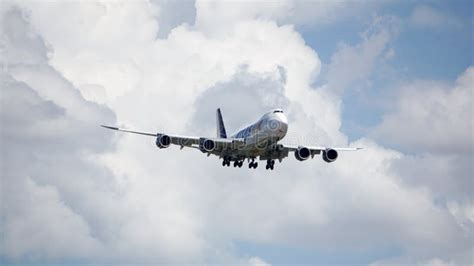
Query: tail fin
[220,125]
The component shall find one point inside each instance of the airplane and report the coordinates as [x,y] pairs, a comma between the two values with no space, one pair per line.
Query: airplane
[259,140]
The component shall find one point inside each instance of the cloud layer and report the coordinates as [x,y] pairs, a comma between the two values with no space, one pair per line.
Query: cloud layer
[94,196]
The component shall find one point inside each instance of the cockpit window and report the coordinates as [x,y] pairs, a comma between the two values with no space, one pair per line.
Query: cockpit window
[278,111]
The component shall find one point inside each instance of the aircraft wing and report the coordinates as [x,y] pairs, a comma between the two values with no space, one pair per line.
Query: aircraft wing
[302,153]
[131,131]
[187,141]
[318,149]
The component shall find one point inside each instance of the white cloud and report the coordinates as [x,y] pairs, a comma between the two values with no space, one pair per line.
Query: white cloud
[428,17]
[446,175]
[217,18]
[45,126]
[256,261]
[428,262]
[435,262]
[139,204]
[433,121]
[172,14]
[354,64]
[431,116]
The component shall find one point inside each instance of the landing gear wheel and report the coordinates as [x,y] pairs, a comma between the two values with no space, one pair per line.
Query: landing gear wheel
[226,161]
[270,164]
[253,165]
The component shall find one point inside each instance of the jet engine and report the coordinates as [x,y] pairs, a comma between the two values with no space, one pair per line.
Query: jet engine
[302,153]
[329,155]
[163,141]
[207,145]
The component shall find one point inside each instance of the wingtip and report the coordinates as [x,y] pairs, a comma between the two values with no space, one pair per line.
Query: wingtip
[109,127]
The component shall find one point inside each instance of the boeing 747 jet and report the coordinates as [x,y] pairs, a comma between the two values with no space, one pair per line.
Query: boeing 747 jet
[257,141]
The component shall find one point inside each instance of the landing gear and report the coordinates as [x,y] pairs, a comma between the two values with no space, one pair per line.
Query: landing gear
[270,164]
[253,164]
[239,163]
[226,162]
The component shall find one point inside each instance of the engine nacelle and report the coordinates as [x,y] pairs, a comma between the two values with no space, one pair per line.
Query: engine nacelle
[163,141]
[206,145]
[302,153]
[329,155]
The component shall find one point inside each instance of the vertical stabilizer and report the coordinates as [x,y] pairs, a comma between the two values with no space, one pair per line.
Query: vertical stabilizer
[220,125]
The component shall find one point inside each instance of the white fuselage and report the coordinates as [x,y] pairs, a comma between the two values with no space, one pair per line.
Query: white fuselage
[268,130]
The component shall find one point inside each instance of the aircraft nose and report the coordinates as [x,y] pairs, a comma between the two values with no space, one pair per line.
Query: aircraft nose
[279,124]
[283,125]
[283,119]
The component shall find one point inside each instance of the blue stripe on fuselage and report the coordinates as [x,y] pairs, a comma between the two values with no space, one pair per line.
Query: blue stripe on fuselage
[246,132]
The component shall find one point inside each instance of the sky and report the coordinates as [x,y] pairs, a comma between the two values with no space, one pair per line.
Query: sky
[394,77]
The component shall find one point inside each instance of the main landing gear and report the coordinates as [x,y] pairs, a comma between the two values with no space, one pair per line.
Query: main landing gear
[226,162]
[253,164]
[270,164]
[238,163]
